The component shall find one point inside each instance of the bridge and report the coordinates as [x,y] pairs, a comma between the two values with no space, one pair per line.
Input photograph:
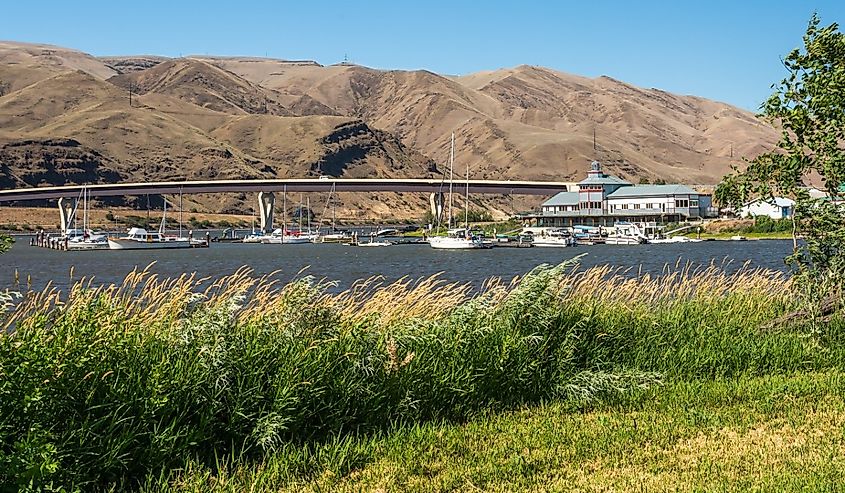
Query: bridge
[68,195]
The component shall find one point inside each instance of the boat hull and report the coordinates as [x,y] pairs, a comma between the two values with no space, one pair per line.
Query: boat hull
[87,245]
[545,243]
[622,241]
[124,244]
[441,243]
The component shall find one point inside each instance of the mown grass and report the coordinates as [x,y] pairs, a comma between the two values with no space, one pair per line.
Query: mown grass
[780,433]
[124,386]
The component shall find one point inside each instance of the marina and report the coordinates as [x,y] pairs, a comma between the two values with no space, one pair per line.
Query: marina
[341,263]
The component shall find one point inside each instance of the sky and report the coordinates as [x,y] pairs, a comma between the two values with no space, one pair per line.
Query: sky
[724,50]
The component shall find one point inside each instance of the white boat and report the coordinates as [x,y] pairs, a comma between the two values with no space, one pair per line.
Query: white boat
[280,237]
[625,233]
[89,240]
[554,238]
[674,239]
[84,238]
[375,243]
[457,239]
[253,238]
[141,239]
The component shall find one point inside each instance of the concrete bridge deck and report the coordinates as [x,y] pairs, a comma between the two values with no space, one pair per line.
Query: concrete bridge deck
[505,187]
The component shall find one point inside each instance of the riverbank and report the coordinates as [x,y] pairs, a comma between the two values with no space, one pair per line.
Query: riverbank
[240,383]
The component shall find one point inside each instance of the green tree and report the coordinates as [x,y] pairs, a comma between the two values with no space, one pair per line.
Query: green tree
[5,243]
[809,106]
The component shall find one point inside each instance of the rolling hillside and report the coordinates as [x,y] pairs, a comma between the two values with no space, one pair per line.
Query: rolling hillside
[65,117]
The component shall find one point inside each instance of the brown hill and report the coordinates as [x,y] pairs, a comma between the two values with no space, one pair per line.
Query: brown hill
[51,135]
[204,85]
[22,64]
[250,117]
[534,122]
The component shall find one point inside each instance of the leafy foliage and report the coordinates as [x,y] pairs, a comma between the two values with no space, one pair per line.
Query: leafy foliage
[5,243]
[809,105]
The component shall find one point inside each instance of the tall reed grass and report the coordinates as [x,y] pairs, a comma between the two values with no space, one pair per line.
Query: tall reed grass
[112,384]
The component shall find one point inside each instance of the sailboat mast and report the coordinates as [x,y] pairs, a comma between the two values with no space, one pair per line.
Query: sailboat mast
[284,212]
[334,209]
[180,212]
[466,209]
[451,178]
[84,210]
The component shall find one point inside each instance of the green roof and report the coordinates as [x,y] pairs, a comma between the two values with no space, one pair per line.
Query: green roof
[651,191]
[603,180]
[563,198]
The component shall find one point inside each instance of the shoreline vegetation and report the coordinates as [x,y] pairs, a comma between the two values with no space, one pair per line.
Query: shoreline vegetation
[578,379]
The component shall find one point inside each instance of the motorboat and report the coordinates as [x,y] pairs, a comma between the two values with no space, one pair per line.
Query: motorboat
[88,240]
[375,243]
[141,239]
[625,233]
[555,238]
[674,239]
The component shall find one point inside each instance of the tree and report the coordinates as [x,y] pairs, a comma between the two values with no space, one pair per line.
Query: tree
[5,243]
[809,107]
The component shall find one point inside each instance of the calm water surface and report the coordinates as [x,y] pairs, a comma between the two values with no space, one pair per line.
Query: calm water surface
[346,264]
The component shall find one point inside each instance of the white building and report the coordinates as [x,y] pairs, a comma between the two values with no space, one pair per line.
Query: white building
[775,208]
[602,200]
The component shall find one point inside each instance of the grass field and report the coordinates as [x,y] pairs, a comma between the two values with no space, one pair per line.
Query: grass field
[567,380]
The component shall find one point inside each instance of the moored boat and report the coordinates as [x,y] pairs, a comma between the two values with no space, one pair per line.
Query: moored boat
[556,238]
[625,233]
[458,239]
[141,239]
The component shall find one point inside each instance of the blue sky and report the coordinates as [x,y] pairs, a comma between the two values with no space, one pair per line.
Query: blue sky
[724,50]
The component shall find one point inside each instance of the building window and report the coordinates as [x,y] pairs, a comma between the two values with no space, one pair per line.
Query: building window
[693,203]
[636,206]
[681,203]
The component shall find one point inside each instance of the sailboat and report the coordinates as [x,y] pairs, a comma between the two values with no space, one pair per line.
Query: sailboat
[458,238]
[86,239]
[141,239]
[281,236]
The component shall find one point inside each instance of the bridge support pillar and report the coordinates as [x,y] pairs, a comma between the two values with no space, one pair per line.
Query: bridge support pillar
[67,212]
[436,201]
[266,204]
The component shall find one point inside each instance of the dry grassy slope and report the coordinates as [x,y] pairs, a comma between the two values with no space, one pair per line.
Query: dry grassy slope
[51,135]
[533,122]
[204,85]
[223,117]
[22,64]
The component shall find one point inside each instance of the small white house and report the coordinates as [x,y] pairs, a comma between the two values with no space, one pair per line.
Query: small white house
[775,208]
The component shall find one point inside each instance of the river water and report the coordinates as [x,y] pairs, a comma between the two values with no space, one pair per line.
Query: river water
[346,264]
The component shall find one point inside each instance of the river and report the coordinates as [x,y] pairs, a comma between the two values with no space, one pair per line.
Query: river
[346,264]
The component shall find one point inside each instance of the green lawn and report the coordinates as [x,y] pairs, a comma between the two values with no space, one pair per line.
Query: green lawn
[779,433]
